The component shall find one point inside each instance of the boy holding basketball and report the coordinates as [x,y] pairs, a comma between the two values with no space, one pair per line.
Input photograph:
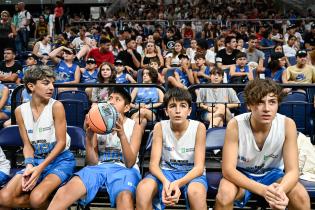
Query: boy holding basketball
[42,126]
[112,160]
[259,146]
[177,163]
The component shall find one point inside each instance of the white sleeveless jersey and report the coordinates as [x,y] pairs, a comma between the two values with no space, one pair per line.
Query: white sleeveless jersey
[251,159]
[4,163]
[109,146]
[178,154]
[44,49]
[42,132]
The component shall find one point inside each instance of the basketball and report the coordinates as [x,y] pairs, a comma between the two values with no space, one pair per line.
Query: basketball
[102,118]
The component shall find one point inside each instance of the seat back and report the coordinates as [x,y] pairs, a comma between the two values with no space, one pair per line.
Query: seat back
[215,138]
[10,137]
[140,76]
[243,107]
[75,112]
[75,95]
[77,137]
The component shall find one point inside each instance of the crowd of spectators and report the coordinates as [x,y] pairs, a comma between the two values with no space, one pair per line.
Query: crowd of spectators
[180,54]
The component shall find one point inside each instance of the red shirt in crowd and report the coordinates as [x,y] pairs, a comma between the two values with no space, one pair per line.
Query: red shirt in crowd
[101,57]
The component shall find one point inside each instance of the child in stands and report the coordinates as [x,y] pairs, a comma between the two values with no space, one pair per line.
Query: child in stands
[177,162]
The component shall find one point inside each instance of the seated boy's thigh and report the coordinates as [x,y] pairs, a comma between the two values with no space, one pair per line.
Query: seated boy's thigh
[4,178]
[270,177]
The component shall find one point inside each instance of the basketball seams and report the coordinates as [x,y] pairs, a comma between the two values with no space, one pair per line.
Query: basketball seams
[90,121]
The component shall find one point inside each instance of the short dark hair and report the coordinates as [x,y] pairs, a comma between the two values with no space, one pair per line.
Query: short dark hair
[228,39]
[153,74]
[256,89]
[216,70]
[11,49]
[37,72]
[241,55]
[177,94]
[252,37]
[121,91]
[156,60]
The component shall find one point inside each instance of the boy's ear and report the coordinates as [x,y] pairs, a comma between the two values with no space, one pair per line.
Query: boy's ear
[127,108]
[30,86]
[165,110]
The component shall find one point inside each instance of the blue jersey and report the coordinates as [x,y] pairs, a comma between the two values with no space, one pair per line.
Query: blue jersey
[183,77]
[65,73]
[238,69]
[122,79]
[7,106]
[277,77]
[87,77]
[202,79]
[147,95]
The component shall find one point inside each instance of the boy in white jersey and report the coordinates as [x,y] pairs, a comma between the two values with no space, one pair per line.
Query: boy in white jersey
[259,146]
[177,162]
[42,126]
[112,160]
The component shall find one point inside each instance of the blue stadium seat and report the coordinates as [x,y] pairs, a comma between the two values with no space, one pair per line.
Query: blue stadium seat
[243,107]
[77,137]
[75,112]
[215,138]
[169,73]
[75,95]
[140,76]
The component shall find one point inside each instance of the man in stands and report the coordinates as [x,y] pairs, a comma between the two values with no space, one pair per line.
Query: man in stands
[22,28]
[103,53]
[9,68]
[227,56]
[310,38]
[255,55]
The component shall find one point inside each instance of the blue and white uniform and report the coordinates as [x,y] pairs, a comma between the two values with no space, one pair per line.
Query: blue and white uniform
[87,77]
[6,109]
[262,165]
[183,77]
[203,80]
[177,158]
[122,79]
[111,171]
[42,136]
[4,168]
[64,73]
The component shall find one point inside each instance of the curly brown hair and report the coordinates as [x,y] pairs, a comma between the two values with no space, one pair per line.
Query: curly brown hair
[256,89]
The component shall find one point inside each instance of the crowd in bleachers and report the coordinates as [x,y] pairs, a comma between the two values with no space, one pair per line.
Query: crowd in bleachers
[123,50]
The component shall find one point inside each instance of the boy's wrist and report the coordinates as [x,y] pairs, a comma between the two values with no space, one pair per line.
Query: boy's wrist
[29,161]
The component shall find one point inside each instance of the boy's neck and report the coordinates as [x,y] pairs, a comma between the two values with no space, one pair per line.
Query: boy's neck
[258,127]
[181,127]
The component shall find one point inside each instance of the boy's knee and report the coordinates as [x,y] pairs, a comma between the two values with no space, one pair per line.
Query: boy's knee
[299,198]
[124,197]
[5,198]
[37,199]
[196,193]
[226,194]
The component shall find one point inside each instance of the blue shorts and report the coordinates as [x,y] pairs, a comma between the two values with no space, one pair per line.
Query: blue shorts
[4,178]
[115,178]
[271,177]
[63,166]
[171,176]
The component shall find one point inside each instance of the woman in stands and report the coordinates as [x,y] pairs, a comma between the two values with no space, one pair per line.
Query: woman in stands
[48,162]
[7,33]
[42,48]
[171,59]
[151,51]
[145,100]
[106,74]
[41,27]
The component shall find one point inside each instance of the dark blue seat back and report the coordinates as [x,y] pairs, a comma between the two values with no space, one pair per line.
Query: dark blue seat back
[140,76]
[77,137]
[169,73]
[10,137]
[243,107]
[75,112]
[215,138]
[75,95]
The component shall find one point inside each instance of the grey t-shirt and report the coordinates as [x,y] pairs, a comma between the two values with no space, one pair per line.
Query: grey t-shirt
[217,95]
[254,56]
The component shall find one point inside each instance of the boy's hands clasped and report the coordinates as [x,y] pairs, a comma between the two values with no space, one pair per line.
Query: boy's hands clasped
[170,193]
[276,197]
[30,177]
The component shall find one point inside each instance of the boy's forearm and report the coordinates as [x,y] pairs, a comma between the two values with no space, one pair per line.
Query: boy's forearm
[194,173]
[129,156]
[289,180]
[157,172]
[90,156]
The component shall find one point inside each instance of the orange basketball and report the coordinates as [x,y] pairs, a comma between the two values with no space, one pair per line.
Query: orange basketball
[102,118]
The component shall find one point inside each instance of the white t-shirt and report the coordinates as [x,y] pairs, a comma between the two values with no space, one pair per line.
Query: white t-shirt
[289,51]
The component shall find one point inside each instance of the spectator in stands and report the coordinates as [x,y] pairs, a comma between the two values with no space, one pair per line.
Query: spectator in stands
[48,161]
[58,12]
[172,59]
[7,32]
[202,48]
[146,100]
[4,169]
[276,67]
[183,76]
[31,60]
[202,72]
[122,77]
[169,40]
[191,51]
[106,74]
[66,70]
[103,53]
[301,72]
[9,68]
[41,27]
[22,28]
[42,48]
[260,34]
[155,64]
[89,75]
[279,49]
[310,38]
[81,41]
[266,46]
[240,45]
[226,57]
[252,137]
[188,33]
[112,160]
[151,51]
[130,57]
[171,172]
[255,55]
[292,31]
[276,36]
[243,33]
[240,73]
[290,49]
[5,103]
[217,102]
[139,42]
